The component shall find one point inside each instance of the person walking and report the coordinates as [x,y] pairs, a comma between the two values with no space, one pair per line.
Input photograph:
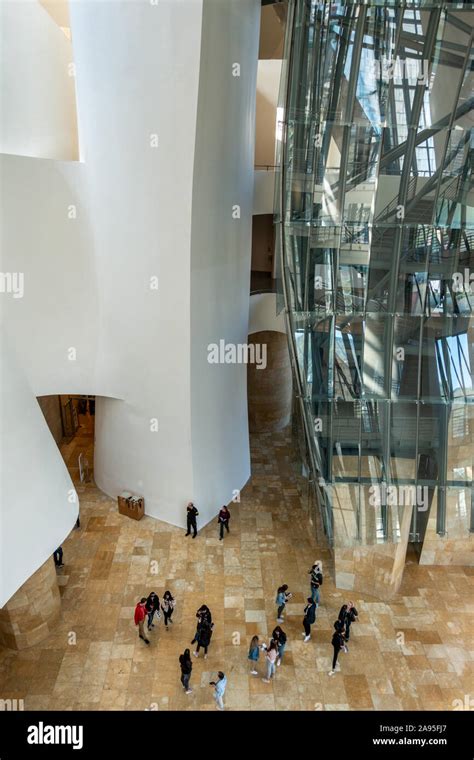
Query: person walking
[203,613]
[219,689]
[204,634]
[186,668]
[152,607]
[223,520]
[191,514]
[279,636]
[337,644]
[316,581]
[167,605]
[254,654]
[271,656]
[281,599]
[309,617]
[140,614]
[350,617]
[58,557]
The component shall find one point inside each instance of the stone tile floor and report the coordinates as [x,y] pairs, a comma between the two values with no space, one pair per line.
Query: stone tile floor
[412,653]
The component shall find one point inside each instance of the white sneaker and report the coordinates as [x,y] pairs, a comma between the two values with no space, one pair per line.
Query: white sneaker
[279,620]
[331,672]
[254,672]
[205,656]
[266,680]
[196,654]
[189,691]
[306,638]
[278,663]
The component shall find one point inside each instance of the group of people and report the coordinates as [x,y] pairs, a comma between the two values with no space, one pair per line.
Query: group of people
[191,522]
[148,607]
[347,615]
[202,637]
[342,630]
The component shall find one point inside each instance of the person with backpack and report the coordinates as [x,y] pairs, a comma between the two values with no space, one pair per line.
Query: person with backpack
[191,514]
[279,636]
[186,668]
[254,654]
[167,606]
[309,617]
[204,634]
[139,617]
[337,644]
[152,607]
[283,595]
[223,521]
[316,581]
[270,657]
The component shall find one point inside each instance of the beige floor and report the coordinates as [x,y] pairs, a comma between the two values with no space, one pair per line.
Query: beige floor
[410,654]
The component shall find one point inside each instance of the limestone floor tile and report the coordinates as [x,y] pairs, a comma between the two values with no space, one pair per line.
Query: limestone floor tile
[405,654]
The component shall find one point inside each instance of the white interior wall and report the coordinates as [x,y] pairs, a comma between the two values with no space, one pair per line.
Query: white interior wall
[221,249]
[140,212]
[38,101]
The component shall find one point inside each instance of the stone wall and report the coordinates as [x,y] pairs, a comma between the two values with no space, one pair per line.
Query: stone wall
[31,613]
[269,390]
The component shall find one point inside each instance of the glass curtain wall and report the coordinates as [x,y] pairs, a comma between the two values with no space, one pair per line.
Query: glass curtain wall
[374,207]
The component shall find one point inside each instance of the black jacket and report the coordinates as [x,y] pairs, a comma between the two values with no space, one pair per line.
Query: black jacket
[337,640]
[191,514]
[186,665]
[152,604]
[204,635]
[204,616]
[310,613]
[279,637]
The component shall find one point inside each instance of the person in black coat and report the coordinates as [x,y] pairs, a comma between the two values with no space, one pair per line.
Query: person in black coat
[191,514]
[152,606]
[337,644]
[204,634]
[309,617]
[350,617]
[203,614]
[186,667]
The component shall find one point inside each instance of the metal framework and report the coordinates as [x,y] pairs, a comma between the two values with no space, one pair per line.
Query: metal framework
[374,207]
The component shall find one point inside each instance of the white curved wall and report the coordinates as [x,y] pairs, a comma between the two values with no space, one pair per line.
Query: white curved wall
[37,506]
[221,249]
[263,314]
[140,212]
[38,112]
[264,191]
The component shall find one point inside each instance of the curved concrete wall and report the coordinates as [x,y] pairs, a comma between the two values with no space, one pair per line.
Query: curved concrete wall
[263,314]
[30,615]
[93,239]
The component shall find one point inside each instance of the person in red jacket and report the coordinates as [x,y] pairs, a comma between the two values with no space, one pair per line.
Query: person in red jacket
[140,615]
[223,520]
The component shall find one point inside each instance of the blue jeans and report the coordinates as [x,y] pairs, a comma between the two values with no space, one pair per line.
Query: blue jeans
[270,669]
[281,650]
[150,617]
[315,594]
